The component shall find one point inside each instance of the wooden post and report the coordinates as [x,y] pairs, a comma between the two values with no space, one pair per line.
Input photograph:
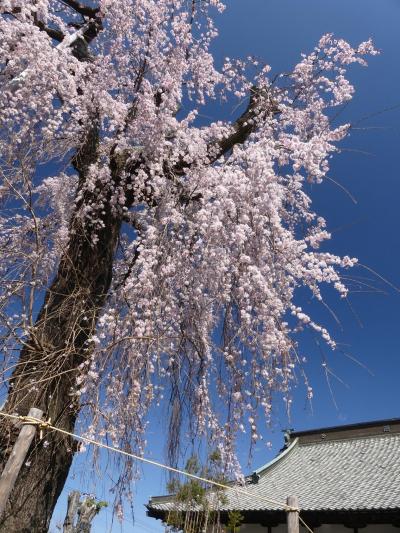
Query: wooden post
[293,516]
[17,458]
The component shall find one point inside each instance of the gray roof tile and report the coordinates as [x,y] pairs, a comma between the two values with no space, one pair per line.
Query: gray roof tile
[349,474]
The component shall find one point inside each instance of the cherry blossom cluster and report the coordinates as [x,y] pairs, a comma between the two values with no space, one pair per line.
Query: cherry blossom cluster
[215,243]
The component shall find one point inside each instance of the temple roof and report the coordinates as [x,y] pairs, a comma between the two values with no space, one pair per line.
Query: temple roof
[344,468]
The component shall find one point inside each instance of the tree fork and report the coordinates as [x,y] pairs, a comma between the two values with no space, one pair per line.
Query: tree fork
[48,364]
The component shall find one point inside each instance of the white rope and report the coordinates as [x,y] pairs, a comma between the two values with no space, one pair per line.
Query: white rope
[42,424]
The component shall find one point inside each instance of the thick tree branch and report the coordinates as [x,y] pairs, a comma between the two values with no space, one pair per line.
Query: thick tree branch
[57,35]
[80,40]
[53,33]
[90,28]
[260,104]
[85,32]
[82,9]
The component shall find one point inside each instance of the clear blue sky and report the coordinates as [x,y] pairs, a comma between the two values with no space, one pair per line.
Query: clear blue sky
[277,31]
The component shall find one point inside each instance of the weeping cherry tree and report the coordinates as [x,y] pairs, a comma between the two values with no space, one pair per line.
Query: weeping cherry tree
[148,252]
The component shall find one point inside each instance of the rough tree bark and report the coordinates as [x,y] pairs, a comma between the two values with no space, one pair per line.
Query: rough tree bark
[48,363]
[80,514]
[77,292]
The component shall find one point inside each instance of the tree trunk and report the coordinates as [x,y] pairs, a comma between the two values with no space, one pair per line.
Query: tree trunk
[80,514]
[72,511]
[48,367]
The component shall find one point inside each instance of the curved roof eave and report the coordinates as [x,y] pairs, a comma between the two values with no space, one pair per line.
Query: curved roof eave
[278,458]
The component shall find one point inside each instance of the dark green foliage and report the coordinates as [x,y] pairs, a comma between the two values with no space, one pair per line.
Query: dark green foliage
[196,501]
[235,518]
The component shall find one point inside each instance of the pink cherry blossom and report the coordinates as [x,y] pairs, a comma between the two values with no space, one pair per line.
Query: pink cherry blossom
[217,231]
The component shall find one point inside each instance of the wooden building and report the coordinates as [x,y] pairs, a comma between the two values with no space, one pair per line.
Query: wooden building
[347,480]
